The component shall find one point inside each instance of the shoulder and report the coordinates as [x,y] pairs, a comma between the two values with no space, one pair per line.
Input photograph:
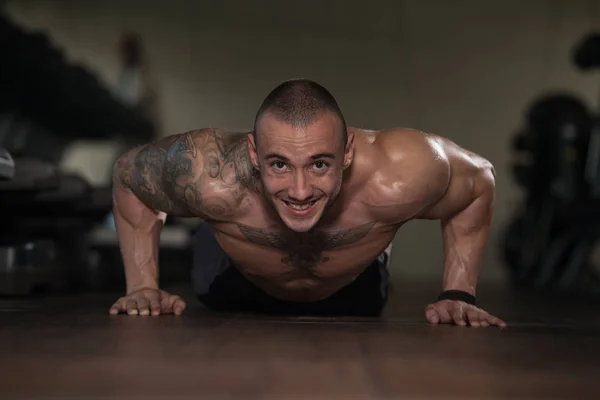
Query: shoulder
[415,150]
[410,171]
[211,140]
[218,154]
[214,172]
[411,159]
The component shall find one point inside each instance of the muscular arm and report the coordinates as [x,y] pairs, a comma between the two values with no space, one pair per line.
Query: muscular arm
[160,176]
[424,176]
[465,212]
[173,176]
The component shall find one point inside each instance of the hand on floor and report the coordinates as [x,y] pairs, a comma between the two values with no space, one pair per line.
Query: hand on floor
[460,313]
[148,302]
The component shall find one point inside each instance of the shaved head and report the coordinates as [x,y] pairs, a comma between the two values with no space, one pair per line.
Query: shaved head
[299,103]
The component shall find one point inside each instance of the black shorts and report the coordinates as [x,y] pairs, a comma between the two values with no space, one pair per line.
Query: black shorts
[221,287]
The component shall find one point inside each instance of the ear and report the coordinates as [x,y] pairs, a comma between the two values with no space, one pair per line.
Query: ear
[252,150]
[349,151]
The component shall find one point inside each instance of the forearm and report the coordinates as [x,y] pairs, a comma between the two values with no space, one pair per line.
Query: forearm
[140,202]
[138,230]
[465,237]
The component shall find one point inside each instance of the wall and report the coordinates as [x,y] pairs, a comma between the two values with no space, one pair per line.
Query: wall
[462,69]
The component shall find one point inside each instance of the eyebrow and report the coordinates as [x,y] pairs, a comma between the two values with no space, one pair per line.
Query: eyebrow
[313,157]
[322,155]
[277,156]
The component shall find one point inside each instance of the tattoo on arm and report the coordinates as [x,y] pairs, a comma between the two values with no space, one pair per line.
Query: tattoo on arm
[173,175]
[231,161]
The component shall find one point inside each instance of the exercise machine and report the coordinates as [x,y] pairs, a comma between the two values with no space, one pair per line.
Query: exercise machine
[549,245]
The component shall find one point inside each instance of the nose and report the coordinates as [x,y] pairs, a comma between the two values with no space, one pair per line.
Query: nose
[300,190]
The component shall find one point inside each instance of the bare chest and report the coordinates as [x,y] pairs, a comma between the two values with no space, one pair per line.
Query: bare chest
[321,260]
[304,266]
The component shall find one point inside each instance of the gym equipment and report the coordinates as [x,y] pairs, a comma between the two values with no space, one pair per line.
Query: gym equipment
[548,244]
[586,55]
[7,165]
[45,104]
[557,129]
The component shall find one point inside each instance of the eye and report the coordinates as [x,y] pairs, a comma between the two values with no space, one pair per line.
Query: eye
[278,166]
[320,166]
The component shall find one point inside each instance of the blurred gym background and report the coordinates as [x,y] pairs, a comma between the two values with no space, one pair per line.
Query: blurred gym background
[82,81]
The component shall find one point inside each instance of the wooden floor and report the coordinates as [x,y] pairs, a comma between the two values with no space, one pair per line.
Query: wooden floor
[71,347]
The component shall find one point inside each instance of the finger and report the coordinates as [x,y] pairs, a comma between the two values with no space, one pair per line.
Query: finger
[155,306]
[495,321]
[143,306]
[458,315]
[131,307]
[474,317]
[117,307]
[166,304]
[432,315]
[487,319]
[178,305]
[444,314]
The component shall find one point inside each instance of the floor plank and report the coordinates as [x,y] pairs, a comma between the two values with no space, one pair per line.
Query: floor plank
[58,347]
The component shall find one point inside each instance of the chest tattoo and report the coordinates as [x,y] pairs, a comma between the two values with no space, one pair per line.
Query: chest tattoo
[305,250]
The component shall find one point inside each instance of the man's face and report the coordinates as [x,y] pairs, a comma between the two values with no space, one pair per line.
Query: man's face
[301,168]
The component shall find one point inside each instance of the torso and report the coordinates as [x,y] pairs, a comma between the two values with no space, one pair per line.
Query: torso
[302,267]
[312,266]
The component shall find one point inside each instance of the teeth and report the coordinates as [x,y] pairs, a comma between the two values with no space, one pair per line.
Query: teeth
[299,206]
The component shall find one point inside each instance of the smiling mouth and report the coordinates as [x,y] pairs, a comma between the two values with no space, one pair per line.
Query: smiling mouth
[300,208]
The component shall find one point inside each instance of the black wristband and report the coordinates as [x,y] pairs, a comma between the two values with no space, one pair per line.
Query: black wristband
[458,295]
